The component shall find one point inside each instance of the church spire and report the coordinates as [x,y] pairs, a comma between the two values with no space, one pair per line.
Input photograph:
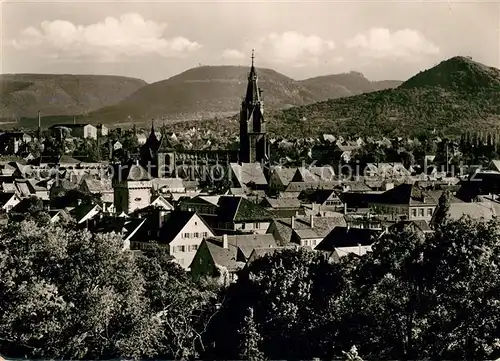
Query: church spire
[253,93]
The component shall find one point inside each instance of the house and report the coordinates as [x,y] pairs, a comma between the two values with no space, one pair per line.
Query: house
[162,203]
[386,170]
[345,152]
[59,215]
[102,130]
[169,185]
[102,187]
[314,174]
[418,226]
[483,211]
[326,199]
[248,176]
[282,207]
[132,188]
[76,130]
[182,233]
[280,177]
[227,254]
[268,251]
[347,239]
[11,142]
[405,202]
[294,189]
[9,201]
[85,212]
[238,214]
[283,229]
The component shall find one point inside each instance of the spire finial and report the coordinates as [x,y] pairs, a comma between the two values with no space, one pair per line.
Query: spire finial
[253,55]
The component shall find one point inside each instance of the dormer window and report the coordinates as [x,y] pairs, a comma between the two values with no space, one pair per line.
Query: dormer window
[138,199]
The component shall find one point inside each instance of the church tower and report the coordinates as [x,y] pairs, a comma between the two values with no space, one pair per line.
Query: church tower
[253,138]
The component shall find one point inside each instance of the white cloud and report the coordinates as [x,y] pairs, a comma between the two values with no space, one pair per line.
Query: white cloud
[107,41]
[381,43]
[293,48]
[233,54]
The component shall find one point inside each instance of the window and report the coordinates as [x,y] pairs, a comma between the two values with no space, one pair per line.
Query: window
[429,212]
[256,225]
[196,235]
[313,242]
[414,212]
[186,235]
[243,226]
[421,212]
[192,248]
[195,223]
[205,234]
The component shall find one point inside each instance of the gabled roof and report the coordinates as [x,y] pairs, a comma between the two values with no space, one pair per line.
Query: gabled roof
[83,210]
[98,185]
[174,223]
[348,237]
[238,209]
[5,197]
[162,202]
[278,203]
[409,194]
[475,210]
[318,196]
[322,225]
[244,244]
[284,174]
[247,173]
[225,257]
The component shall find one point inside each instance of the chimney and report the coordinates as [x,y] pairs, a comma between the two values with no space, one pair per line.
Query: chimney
[345,208]
[292,225]
[225,244]
[312,220]
[359,249]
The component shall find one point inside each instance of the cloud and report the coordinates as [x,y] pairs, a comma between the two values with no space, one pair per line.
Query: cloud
[293,48]
[403,44]
[233,54]
[107,41]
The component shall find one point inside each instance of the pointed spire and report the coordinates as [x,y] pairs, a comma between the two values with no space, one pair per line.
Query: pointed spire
[153,127]
[253,57]
[253,94]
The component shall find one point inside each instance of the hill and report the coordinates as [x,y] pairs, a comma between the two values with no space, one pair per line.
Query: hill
[209,91]
[344,85]
[456,95]
[451,97]
[457,73]
[22,95]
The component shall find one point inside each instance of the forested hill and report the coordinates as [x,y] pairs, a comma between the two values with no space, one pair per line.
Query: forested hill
[455,95]
[22,95]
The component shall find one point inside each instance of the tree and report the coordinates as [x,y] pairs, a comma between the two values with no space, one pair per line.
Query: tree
[251,339]
[443,208]
[461,264]
[70,294]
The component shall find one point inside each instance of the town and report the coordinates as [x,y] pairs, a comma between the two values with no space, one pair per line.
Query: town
[141,243]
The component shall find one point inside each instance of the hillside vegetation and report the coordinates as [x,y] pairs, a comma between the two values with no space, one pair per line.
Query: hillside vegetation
[455,95]
[344,85]
[210,91]
[22,95]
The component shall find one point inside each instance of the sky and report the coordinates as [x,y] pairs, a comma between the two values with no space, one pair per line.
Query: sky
[154,40]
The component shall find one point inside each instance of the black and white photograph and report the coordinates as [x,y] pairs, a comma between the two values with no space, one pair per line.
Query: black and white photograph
[250,180]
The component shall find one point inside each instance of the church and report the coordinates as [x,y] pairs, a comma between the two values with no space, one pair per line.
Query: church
[254,146]
[164,161]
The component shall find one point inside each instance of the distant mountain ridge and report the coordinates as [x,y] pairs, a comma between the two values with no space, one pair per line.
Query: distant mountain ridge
[209,91]
[22,95]
[456,95]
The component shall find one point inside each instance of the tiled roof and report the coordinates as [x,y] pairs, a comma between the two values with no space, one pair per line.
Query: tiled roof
[247,173]
[98,185]
[285,174]
[282,202]
[237,209]
[475,210]
[322,225]
[175,222]
[347,237]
